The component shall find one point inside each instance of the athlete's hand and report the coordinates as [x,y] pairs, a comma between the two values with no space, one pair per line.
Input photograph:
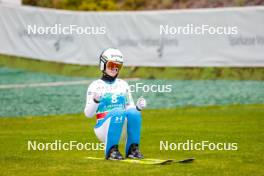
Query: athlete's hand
[141,103]
[97,97]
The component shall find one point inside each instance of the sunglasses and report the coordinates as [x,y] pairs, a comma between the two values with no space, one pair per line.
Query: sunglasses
[113,65]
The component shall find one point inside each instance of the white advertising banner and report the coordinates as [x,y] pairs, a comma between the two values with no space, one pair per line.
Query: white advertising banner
[203,37]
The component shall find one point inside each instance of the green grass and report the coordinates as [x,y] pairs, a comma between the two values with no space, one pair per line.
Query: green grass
[242,124]
[180,73]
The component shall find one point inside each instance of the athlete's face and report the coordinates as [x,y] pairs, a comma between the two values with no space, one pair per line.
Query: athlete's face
[112,68]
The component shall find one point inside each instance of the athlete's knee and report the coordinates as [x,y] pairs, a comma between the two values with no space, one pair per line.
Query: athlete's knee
[133,112]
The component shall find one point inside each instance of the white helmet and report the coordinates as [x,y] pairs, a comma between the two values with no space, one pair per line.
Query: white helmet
[110,54]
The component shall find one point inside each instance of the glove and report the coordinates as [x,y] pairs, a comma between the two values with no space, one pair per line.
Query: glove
[97,97]
[141,103]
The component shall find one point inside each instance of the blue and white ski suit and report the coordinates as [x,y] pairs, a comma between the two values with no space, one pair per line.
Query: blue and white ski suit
[116,113]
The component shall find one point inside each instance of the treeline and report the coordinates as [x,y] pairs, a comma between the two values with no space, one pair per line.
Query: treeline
[110,5]
[89,5]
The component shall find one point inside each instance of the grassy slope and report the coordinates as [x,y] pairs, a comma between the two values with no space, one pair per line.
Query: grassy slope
[242,124]
[189,73]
